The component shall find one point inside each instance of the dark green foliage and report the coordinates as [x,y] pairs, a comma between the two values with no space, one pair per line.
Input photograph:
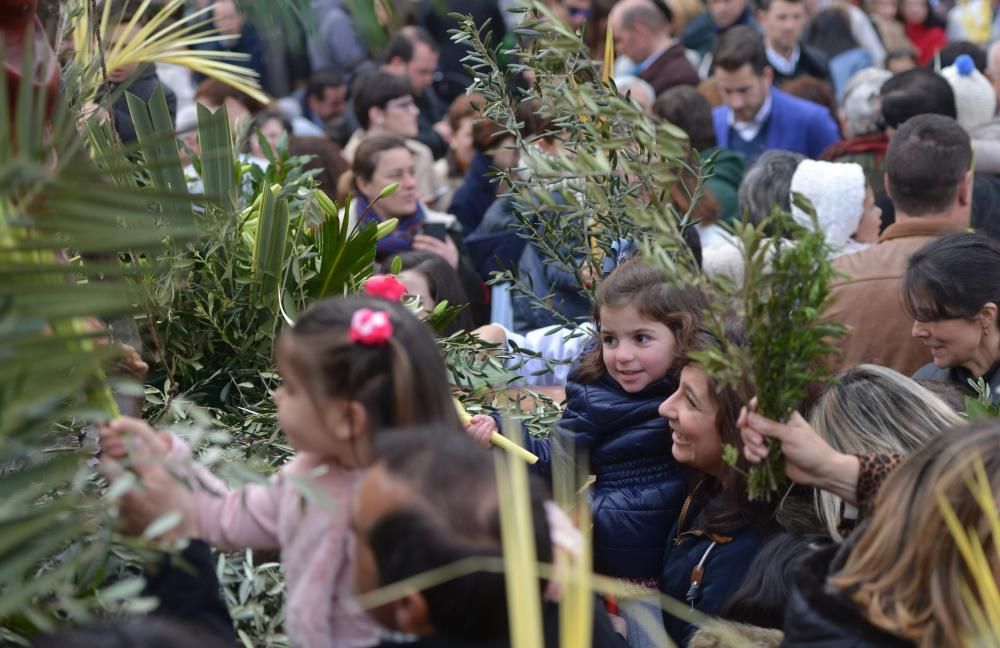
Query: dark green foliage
[782,303]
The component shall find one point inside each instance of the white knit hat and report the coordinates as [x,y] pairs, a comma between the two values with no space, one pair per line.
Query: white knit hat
[975,100]
[837,193]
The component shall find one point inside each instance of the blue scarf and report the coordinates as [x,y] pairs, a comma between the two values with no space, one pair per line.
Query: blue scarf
[401,238]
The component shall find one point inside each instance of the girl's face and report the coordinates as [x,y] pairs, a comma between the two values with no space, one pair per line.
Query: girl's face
[691,413]
[637,351]
[871,220]
[416,284]
[319,429]
[394,165]
[914,11]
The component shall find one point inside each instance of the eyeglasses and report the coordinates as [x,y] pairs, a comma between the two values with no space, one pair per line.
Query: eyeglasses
[404,103]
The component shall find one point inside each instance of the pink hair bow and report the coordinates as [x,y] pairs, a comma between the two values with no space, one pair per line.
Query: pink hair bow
[371,328]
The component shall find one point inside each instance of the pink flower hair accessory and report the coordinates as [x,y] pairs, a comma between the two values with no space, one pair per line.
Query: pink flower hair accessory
[370,327]
[385,286]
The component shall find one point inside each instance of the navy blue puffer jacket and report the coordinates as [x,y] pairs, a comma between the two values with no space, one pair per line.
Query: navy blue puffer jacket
[724,561]
[639,488]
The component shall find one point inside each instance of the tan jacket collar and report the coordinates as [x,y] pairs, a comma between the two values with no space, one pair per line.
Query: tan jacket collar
[919,227]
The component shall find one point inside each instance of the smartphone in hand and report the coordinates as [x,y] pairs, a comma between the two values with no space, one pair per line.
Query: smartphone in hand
[437,230]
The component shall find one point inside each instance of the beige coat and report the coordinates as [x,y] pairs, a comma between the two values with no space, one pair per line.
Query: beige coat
[870,302]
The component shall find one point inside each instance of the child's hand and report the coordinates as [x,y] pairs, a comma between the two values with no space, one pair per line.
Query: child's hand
[125,435]
[158,491]
[132,363]
[481,428]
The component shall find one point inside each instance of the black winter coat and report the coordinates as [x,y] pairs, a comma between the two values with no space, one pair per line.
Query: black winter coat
[639,488]
[142,84]
[820,618]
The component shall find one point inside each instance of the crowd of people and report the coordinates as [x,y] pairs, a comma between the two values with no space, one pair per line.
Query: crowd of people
[882,114]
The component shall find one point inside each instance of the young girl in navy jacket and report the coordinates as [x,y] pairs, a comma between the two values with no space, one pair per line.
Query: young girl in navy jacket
[611,420]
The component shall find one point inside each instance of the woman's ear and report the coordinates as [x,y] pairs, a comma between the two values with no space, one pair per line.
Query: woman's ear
[988,315]
[412,615]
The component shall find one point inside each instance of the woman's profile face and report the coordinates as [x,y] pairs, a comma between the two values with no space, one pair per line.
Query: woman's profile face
[418,286]
[952,342]
[394,166]
[691,412]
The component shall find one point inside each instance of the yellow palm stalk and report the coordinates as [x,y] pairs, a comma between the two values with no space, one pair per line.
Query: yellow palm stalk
[162,40]
[609,55]
[982,595]
[573,571]
[524,601]
[498,439]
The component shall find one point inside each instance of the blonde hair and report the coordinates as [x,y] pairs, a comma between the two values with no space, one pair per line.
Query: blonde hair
[906,573]
[872,409]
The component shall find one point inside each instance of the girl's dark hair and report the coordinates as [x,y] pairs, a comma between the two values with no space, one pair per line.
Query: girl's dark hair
[401,383]
[689,110]
[761,597]
[952,277]
[638,284]
[453,515]
[272,113]
[368,154]
[724,505]
[444,284]
[831,32]
[325,156]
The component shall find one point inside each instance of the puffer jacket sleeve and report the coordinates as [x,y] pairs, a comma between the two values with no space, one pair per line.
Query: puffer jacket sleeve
[576,432]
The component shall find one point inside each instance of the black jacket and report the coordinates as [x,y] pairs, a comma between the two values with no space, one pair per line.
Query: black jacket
[432,110]
[812,62]
[819,617]
[603,635]
[142,84]
[960,377]
[639,488]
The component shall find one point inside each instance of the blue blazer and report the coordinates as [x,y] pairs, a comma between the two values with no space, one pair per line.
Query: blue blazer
[796,125]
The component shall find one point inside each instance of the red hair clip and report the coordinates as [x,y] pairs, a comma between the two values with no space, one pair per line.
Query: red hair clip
[371,328]
[385,286]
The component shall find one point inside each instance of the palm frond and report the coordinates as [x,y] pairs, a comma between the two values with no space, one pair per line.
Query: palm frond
[162,39]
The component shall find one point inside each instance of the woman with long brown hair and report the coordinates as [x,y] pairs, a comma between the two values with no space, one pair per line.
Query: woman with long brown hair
[719,531]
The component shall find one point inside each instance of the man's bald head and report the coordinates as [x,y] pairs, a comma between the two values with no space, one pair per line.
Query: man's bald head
[640,28]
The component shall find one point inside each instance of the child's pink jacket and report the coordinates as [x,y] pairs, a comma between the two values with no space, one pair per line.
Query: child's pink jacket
[317,547]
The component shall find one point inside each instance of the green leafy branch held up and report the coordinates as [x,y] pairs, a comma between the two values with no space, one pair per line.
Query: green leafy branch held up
[782,303]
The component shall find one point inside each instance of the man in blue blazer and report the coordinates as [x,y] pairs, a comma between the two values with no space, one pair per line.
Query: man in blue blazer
[756,117]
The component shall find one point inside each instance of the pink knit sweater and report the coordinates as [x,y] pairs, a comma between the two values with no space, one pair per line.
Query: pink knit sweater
[310,527]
